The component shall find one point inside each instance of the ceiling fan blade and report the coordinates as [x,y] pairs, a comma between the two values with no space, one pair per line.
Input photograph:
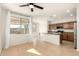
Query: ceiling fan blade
[32,10]
[24,5]
[38,7]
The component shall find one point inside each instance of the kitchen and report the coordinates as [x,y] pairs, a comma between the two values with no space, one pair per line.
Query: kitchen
[66,30]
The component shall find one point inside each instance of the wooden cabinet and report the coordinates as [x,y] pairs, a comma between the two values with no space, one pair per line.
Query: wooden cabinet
[71,36]
[68,25]
[52,26]
[55,26]
[64,35]
[68,36]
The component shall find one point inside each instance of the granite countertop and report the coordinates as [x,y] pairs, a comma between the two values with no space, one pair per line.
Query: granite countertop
[55,33]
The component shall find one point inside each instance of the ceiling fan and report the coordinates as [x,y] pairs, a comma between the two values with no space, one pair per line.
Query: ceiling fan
[32,5]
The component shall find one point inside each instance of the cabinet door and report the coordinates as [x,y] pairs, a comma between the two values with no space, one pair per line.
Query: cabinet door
[68,25]
[71,36]
[52,26]
[64,36]
[71,25]
[59,26]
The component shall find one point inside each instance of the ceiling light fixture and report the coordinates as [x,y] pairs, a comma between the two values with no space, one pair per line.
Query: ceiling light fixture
[31,6]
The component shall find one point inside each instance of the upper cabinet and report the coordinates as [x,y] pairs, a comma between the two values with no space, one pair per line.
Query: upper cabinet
[69,25]
[59,26]
[52,26]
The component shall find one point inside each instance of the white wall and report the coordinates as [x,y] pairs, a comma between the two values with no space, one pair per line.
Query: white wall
[78,28]
[7,30]
[0,32]
[3,24]
[43,24]
[16,39]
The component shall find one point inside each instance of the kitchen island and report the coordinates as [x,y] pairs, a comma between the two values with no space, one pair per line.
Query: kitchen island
[52,38]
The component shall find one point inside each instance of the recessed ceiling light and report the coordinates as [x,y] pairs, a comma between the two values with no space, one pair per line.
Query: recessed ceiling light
[67,10]
[71,14]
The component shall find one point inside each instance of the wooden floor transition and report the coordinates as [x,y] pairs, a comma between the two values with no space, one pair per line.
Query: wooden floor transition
[41,49]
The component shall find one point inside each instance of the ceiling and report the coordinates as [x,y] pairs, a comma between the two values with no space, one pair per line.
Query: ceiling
[50,9]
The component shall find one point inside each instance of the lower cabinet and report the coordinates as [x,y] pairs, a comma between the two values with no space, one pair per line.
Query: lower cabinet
[65,36]
[52,38]
[68,36]
[71,36]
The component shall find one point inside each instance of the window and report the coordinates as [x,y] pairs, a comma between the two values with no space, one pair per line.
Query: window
[19,25]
